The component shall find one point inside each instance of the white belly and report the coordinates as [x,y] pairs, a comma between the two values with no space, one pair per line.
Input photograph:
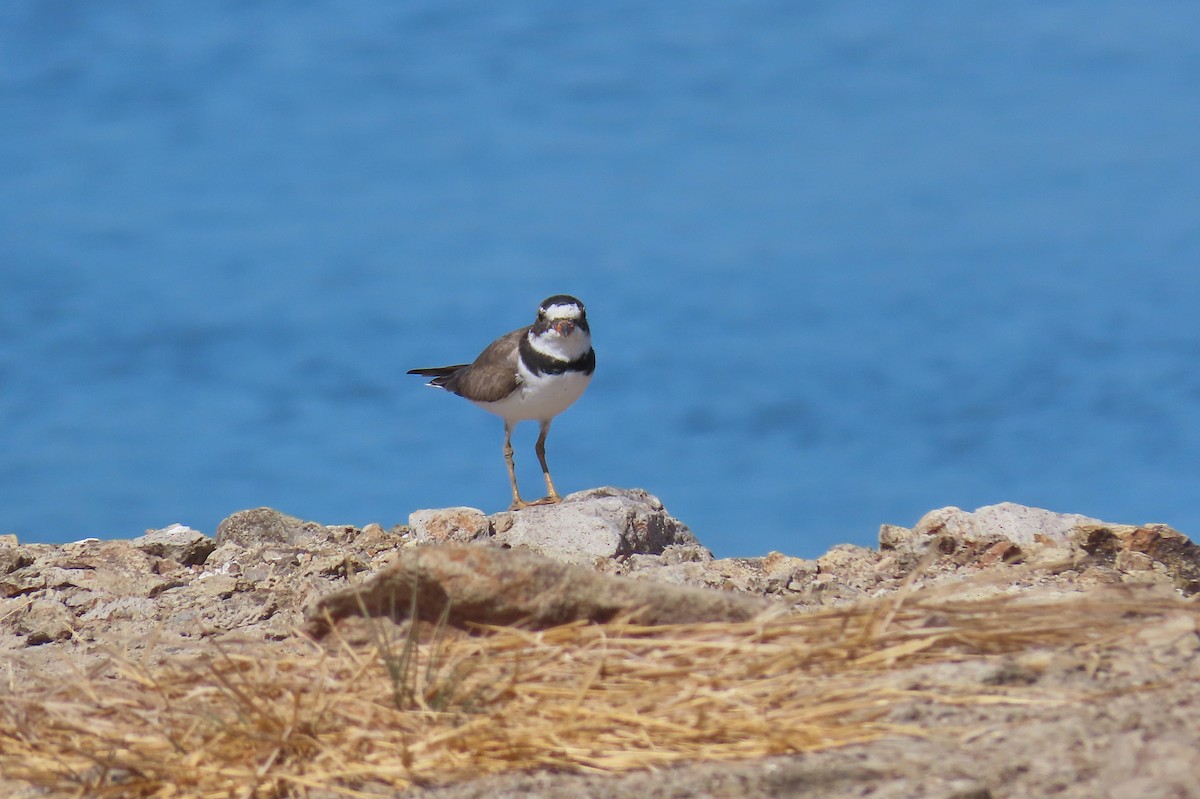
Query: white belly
[540,397]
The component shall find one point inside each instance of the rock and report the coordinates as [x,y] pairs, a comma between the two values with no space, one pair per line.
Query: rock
[892,536]
[773,575]
[13,558]
[844,557]
[1117,545]
[449,525]
[115,568]
[1019,524]
[600,523]
[256,584]
[86,607]
[1137,766]
[21,580]
[261,526]
[1048,543]
[1001,551]
[121,608]
[485,585]
[178,543]
[44,621]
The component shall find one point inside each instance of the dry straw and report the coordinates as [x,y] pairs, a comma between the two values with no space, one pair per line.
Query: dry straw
[405,706]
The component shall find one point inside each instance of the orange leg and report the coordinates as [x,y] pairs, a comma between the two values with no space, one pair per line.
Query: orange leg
[517,502]
[540,448]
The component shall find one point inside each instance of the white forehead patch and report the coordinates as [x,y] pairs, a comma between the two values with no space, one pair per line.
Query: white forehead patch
[570,311]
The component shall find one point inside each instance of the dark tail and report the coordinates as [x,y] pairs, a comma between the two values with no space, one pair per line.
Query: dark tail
[440,374]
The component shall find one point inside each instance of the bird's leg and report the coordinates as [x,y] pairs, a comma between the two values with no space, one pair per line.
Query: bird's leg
[540,448]
[517,502]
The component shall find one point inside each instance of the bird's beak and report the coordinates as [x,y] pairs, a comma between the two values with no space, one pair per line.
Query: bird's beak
[564,327]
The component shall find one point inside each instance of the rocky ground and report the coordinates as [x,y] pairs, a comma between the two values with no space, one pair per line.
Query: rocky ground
[1077,714]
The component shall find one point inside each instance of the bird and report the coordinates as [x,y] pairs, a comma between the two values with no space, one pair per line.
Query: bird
[533,373]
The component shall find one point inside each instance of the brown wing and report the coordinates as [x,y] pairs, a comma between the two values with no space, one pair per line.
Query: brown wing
[440,374]
[493,375]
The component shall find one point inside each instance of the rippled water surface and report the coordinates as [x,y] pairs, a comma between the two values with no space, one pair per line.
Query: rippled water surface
[844,262]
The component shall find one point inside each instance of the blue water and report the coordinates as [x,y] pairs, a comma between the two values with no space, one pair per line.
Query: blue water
[844,262]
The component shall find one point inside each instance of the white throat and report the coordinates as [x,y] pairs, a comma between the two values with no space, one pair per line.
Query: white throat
[570,347]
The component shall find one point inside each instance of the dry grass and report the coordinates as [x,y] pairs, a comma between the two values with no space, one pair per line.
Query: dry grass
[357,719]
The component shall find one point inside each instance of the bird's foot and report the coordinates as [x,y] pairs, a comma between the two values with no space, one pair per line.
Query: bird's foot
[518,504]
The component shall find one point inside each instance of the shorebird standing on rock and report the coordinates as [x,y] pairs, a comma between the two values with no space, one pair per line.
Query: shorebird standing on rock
[534,373]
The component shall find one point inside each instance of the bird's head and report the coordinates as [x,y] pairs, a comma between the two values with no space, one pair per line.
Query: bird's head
[563,314]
